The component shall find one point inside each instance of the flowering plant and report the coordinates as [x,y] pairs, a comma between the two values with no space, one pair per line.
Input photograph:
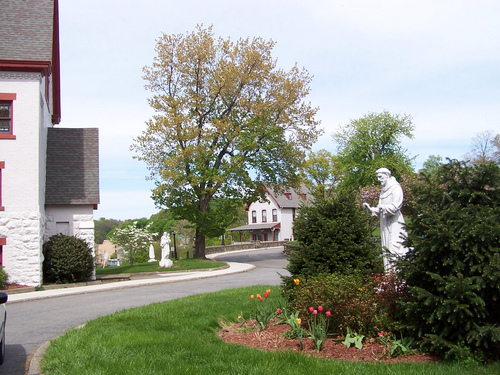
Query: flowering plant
[318,326]
[264,311]
[297,331]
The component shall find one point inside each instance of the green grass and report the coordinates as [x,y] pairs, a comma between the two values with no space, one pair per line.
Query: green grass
[179,265]
[179,337]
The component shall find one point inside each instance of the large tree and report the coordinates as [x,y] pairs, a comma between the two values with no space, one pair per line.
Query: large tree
[372,142]
[320,173]
[226,119]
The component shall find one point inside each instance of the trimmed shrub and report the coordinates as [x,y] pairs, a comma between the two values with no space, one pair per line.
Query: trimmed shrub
[67,259]
[334,235]
[365,305]
[3,278]
[453,267]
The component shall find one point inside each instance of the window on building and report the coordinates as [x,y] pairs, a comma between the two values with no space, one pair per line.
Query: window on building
[2,166]
[288,195]
[275,214]
[264,216]
[254,217]
[6,108]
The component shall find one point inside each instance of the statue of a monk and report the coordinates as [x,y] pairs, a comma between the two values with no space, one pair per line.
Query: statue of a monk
[391,219]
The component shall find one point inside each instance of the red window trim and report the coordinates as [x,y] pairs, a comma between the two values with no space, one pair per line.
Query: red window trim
[7,97]
[2,166]
[264,216]
[3,241]
[254,216]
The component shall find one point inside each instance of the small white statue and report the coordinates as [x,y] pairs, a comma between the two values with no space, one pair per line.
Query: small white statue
[391,219]
[165,262]
[151,253]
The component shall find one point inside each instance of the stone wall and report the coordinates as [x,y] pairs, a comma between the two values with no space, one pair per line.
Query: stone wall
[243,246]
[23,251]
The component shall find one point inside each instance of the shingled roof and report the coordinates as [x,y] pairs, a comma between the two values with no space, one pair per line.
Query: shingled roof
[72,166]
[29,41]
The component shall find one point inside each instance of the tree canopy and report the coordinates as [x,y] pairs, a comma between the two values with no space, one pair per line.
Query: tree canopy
[226,119]
[372,142]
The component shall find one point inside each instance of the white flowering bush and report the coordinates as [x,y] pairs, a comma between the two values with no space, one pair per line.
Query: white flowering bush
[133,239]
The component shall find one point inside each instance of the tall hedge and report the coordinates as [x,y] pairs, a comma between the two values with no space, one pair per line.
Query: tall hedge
[67,259]
[453,267]
[334,235]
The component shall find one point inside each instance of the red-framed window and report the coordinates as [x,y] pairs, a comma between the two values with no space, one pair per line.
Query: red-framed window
[6,115]
[275,214]
[2,166]
[254,217]
[264,216]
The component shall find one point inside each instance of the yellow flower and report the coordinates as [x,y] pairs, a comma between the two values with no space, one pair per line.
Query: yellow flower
[268,291]
[252,296]
[258,295]
[299,321]
[296,281]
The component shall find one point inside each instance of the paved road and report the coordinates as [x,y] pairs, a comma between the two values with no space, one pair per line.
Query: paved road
[31,323]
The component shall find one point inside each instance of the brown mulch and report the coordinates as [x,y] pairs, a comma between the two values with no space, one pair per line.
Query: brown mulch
[13,287]
[272,339]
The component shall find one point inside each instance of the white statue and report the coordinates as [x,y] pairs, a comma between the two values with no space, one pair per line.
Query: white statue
[151,253]
[165,262]
[391,219]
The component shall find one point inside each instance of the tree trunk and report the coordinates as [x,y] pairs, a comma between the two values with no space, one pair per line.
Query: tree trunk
[199,242]
[199,245]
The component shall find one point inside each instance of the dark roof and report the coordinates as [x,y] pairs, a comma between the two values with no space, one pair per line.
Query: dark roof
[29,41]
[72,166]
[26,29]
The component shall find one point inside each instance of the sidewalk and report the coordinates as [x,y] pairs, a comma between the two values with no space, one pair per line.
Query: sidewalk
[135,281]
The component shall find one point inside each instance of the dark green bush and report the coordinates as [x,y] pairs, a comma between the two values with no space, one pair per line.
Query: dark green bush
[334,235]
[3,278]
[67,259]
[367,305]
[453,267]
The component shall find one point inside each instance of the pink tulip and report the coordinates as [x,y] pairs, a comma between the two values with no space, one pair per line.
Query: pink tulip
[320,308]
[311,309]
[279,311]
[328,313]
[315,312]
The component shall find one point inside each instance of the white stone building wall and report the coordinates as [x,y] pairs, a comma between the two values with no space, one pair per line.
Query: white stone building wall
[22,222]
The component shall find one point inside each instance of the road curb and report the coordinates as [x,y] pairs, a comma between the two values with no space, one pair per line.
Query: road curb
[33,364]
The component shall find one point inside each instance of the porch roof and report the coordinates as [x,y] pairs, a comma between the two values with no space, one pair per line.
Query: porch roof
[260,226]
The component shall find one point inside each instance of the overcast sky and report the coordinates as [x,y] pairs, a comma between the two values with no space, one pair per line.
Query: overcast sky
[437,61]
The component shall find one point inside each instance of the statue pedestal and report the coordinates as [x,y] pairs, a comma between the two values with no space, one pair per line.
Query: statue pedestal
[166,263]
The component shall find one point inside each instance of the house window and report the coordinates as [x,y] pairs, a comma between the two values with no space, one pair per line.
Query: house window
[254,217]
[288,196]
[264,216]
[2,166]
[275,235]
[6,106]
[275,214]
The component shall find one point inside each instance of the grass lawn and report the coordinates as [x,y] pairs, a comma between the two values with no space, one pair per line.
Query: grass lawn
[179,337]
[179,265]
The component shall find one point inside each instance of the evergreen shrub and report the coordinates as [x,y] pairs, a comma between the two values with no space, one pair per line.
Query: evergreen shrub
[67,259]
[453,267]
[3,278]
[334,235]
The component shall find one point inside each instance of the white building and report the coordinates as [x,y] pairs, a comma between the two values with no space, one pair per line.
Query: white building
[271,219]
[48,177]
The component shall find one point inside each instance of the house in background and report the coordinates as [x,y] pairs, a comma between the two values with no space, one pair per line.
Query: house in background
[271,219]
[49,177]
